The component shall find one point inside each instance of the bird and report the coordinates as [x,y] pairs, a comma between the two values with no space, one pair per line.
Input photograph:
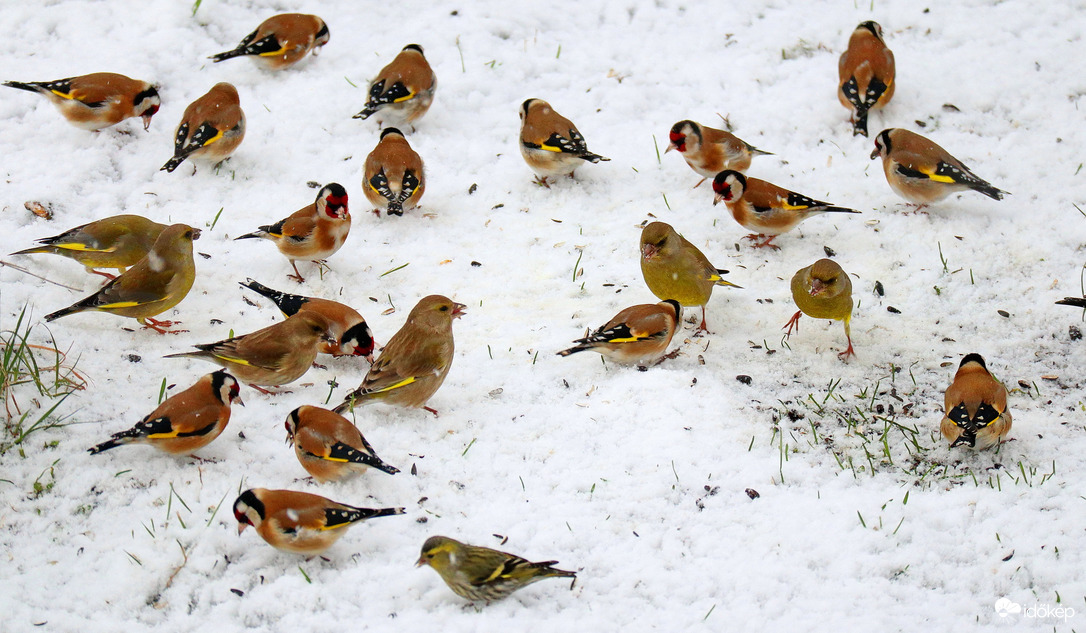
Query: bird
[352,334]
[675,269]
[710,151]
[314,232]
[865,74]
[403,91]
[187,421]
[482,574]
[415,361]
[765,208]
[922,172]
[638,334]
[328,446]
[550,143]
[975,407]
[823,290]
[118,241]
[98,100]
[280,41]
[276,355]
[393,177]
[1078,302]
[211,128]
[151,286]
[299,522]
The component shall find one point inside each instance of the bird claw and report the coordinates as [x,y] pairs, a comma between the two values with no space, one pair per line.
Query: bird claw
[792,323]
[162,327]
[434,411]
[297,278]
[754,237]
[542,181]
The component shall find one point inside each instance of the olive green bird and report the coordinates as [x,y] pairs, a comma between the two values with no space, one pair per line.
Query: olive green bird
[823,290]
[675,269]
[480,573]
[153,285]
[118,241]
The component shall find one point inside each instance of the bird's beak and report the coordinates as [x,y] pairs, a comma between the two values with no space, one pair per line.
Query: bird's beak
[648,251]
[717,198]
[875,154]
[458,310]
[670,146]
[421,561]
[328,338]
[369,358]
[241,527]
[195,234]
[817,287]
[147,122]
[237,401]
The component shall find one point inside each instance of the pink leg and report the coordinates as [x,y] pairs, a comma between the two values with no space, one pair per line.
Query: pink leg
[793,323]
[699,183]
[162,327]
[98,272]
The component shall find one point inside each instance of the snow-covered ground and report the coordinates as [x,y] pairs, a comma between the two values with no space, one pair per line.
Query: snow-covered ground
[637,480]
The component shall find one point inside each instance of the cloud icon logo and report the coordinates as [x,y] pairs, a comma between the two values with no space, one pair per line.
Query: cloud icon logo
[1005,607]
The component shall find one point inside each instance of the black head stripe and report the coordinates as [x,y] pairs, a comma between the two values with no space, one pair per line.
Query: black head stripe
[413,47]
[250,499]
[973,358]
[390,130]
[146,94]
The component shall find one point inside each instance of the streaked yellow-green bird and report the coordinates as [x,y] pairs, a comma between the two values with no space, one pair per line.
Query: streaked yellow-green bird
[480,573]
[823,290]
[155,284]
[675,269]
[416,360]
[975,407]
[117,242]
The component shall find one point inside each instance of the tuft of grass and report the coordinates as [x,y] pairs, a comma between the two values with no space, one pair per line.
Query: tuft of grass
[36,372]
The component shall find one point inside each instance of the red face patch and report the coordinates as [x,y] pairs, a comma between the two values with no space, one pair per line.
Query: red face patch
[725,190]
[336,202]
[679,140]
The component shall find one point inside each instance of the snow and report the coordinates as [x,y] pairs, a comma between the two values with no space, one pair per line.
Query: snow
[636,480]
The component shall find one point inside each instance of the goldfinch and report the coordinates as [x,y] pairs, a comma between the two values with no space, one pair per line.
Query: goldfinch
[675,269]
[975,407]
[186,421]
[550,143]
[403,91]
[482,574]
[117,242]
[922,172]
[280,41]
[638,334]
[415,361]
[352,334]
[765,208]
[97,100]
[314,232]
[276,355]
[710,151]
[865,74]
[823,291]
[153,285]
[393,177]
[211,128]
[329,447]
[299,522]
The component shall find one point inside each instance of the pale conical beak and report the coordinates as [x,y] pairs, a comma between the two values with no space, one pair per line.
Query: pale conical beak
[421,561]
[241,527]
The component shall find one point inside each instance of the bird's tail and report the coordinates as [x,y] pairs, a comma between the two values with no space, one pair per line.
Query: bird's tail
[365,113]
[200,354]
[249,236]
[573,350]
[859,122]
[592,158]
[545,569]
[376,462]
[1078,302]
[353,399]
[118,439]
[719,280]
[72,309]
[395,207]
[287,303]
[988,190]
[105,446]
[837,210]
[23,86]
[173,163]
[221,57]
[361,514]
[48,248]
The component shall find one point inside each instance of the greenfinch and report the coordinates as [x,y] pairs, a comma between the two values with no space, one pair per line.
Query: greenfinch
[117,242]
[328,446]
[186,421]
[153,285]
[352,334]
[276,355]
[823,291]
[975,407]
[97,100]
[765,208]
[280,41]
[709,151]
[638,334]
[865,73]
[550,143]
[299,522]
[482,574]
[415,361]
[675,269]
[922,172]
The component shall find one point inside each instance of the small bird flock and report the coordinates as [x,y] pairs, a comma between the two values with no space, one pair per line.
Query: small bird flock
[390,344]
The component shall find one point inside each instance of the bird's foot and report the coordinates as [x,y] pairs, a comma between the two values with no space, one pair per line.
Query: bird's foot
[848,352]
[767,240]
[434,411]
[162,327]
[269,392]
[104,274]
[319,366]
[793,323]
[542,181]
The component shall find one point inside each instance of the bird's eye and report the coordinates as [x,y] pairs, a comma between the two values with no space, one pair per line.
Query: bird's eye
[444,308]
